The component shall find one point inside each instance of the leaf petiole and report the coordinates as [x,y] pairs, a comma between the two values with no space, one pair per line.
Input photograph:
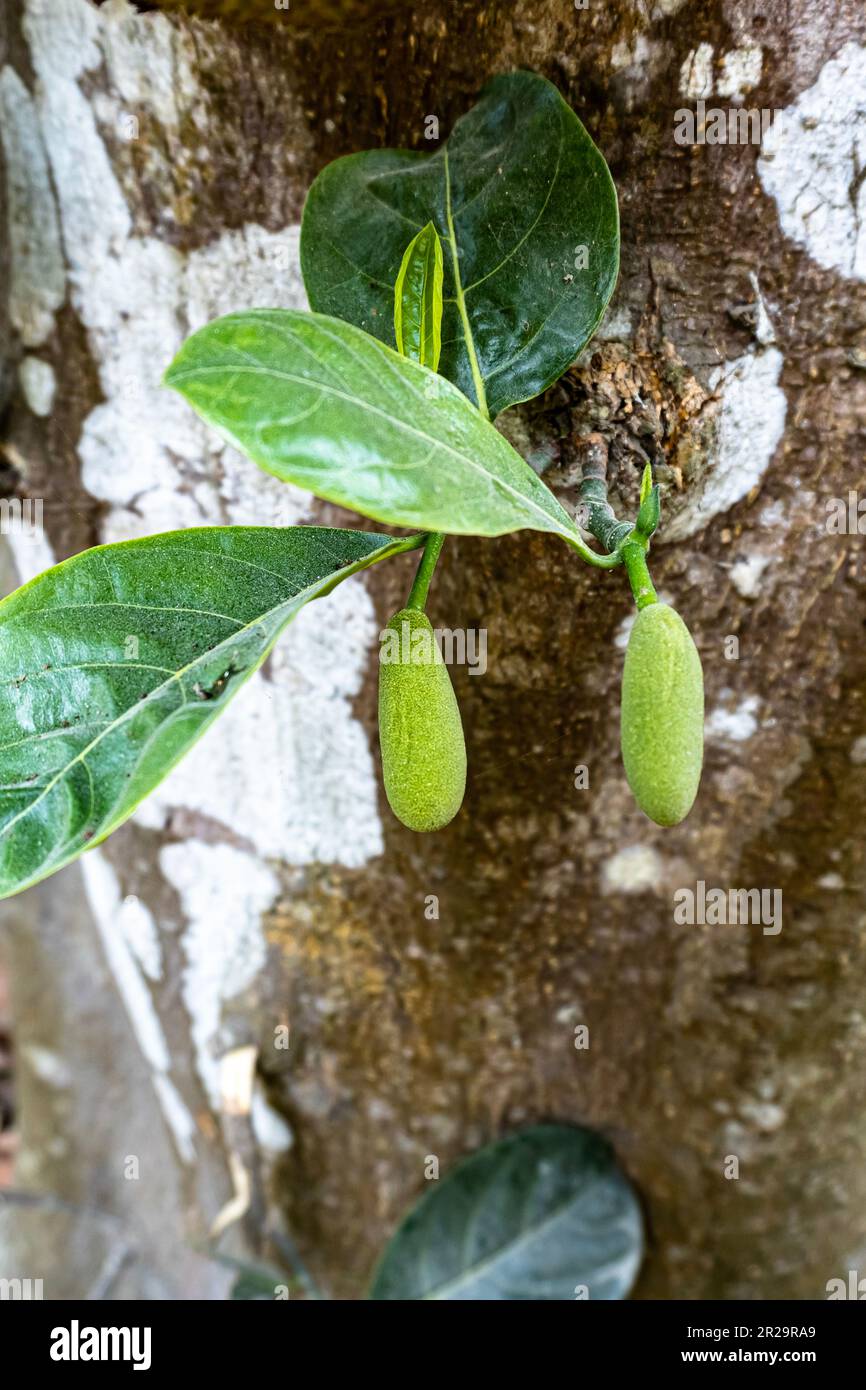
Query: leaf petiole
[594,557]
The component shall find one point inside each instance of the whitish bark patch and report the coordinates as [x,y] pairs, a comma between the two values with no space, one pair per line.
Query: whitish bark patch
[37,283]
[750,426]
[812,163]
[288,768]
[224,893]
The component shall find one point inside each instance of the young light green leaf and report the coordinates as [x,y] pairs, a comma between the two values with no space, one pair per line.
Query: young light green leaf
[317,402]
[649,515]
[418,300]
[536,1216]
[113,663]
[646,483]
[527,211]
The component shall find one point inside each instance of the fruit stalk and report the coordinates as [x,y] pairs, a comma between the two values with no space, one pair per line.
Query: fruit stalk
[423,575]
[642,587]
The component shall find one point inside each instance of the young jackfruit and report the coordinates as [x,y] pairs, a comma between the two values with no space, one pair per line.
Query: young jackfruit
[420,732]
[662,720]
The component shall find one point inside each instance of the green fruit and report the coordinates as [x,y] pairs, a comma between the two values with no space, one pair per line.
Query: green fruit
[662,726]
[420,733]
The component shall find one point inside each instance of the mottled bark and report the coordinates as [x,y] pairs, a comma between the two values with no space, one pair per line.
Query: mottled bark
[732,358]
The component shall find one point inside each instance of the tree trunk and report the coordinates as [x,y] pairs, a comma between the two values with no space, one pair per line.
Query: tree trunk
[263,907]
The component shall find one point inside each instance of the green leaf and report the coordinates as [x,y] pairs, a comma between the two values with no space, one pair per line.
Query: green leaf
[115,662]
[540,1216]
[418,300]
[649,514]
[527,211]
[255,1286]
[258,1283]
[646,483]
[319,403]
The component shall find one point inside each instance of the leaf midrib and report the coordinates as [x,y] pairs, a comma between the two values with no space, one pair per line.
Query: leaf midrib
[270,615]
[477,378]
[392,420]
[155,692]
[477,1270]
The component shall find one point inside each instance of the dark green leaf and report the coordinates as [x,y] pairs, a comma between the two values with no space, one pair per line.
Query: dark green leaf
[258,1284]
[544,1215]
[115,662]
[320,403]
[527,211]
[418,300]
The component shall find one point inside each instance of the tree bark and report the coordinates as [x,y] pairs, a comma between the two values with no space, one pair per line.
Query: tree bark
[264,904]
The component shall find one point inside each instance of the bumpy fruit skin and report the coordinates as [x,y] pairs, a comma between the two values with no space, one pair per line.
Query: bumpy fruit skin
[662,727]
[420,732]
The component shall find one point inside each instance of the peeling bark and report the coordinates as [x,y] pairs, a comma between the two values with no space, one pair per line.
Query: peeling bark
[732,358]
